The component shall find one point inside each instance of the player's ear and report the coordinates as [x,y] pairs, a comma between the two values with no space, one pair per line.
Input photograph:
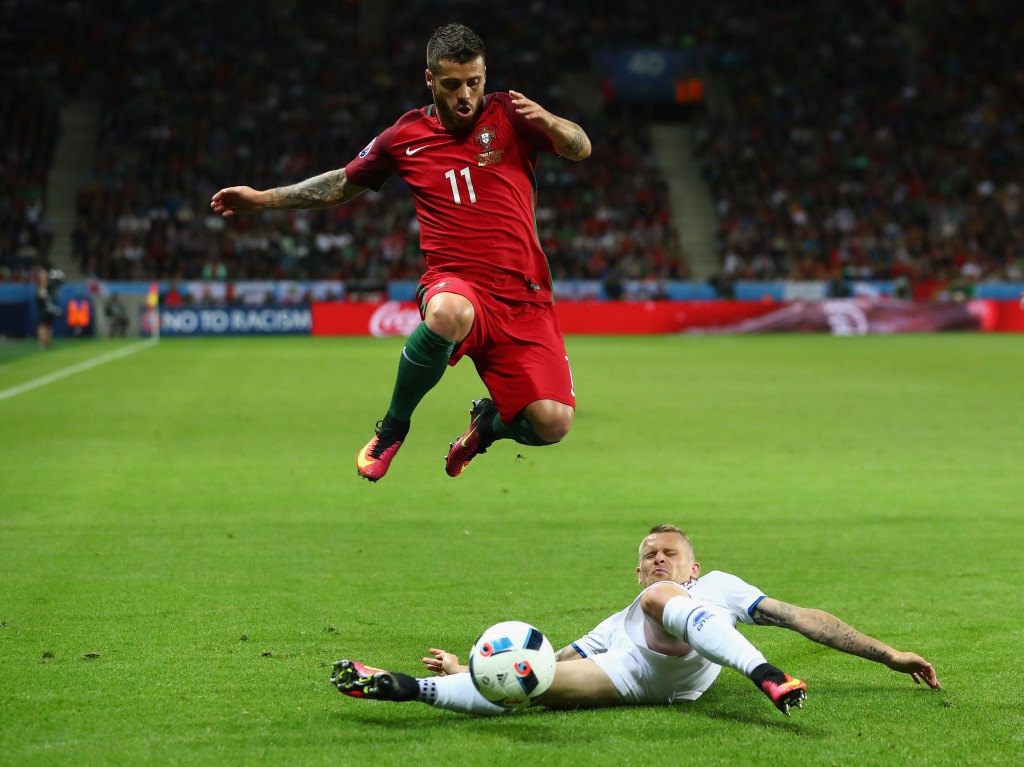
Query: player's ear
[695,570]
[428,77]
[638,578]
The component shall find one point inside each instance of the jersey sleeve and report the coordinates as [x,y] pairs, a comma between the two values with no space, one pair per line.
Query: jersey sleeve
[730,592]
[531,135]
[375,164]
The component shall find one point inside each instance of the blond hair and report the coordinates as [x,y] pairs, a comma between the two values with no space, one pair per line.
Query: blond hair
[666,528]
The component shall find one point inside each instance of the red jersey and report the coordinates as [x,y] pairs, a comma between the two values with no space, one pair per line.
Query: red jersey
[475,195]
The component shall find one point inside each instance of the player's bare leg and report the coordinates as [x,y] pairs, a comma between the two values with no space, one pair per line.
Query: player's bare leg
[580,684]
[549,420]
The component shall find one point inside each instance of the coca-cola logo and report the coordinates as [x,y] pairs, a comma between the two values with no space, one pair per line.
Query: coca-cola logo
[393,318]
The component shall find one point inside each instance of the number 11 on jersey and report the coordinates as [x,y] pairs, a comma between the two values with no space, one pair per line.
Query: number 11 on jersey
[450,175]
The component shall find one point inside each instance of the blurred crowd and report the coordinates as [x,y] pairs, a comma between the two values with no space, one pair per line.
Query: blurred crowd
[29,122]
[868,139]
[32,73]
[876,139]
[198,96]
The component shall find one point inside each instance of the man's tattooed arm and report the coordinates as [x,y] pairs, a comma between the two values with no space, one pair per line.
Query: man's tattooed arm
[821,627]
[569,139]
[576,145]
[323,191]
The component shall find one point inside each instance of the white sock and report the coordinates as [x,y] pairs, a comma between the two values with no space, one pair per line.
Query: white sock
[457,693]
[710,635]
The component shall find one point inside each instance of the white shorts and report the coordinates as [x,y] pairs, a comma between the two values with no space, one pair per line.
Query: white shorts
[618,645]
[645,677]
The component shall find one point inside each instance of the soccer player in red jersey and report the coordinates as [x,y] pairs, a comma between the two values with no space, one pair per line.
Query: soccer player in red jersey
[469,159]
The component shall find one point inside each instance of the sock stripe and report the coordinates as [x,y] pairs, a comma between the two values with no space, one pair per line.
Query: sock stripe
[414,362]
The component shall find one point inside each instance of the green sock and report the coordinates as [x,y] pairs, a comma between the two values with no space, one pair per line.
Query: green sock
[424,360]
[520,429]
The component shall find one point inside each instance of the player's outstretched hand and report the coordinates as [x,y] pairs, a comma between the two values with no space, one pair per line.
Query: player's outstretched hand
[919,669]
[442,663]
[235,199]
[531,110]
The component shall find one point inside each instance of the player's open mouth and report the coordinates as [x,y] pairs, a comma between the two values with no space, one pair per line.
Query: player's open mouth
[464,110]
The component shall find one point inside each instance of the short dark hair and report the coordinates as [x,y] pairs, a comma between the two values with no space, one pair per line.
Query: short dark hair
[453,42]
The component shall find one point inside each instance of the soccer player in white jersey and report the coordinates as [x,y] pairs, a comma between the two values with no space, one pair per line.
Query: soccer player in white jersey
[669,645]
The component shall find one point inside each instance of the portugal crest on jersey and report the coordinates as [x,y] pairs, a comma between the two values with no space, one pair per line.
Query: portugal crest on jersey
[484,137]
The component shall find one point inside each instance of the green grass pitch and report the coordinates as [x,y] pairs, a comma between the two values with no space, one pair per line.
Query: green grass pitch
[185,547]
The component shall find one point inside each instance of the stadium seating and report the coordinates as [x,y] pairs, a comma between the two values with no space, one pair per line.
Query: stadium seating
[869,140]
[234,113]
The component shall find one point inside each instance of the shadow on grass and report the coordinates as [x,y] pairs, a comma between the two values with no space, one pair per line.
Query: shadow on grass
[545,725]
[796,723]
[729,703]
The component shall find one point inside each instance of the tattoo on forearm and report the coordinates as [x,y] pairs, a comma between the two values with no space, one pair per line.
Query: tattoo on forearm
[849,640]
[823,628]
[574,146]
[873,653]
[323,191]
[783,618]
[839,636]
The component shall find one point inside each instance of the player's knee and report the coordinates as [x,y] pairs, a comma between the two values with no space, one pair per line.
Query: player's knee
[450,316]
[552,423]
[654,599]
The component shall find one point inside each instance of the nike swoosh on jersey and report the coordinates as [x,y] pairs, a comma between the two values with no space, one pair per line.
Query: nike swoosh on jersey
[411,151]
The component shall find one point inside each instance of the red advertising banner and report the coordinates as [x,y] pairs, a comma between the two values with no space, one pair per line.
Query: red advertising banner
[641,317]
[1008,316]
[391,318]
[855,316]
[881,316]
[400,318]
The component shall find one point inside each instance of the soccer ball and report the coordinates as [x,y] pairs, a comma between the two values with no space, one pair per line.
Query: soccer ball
[512,664]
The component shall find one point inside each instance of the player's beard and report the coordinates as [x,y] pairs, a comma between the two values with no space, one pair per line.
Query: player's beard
[456,121]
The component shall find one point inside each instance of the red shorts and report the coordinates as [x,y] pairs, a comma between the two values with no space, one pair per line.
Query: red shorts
[517,347]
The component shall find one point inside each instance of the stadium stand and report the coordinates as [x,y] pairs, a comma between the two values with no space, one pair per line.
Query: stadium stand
[868,139]
[872,139]
[30,97]
[264,100]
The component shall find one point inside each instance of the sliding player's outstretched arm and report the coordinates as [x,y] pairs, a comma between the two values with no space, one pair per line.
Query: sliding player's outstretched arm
[825,628]
[324,191]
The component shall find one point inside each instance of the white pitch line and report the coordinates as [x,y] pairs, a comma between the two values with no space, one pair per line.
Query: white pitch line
[14,391]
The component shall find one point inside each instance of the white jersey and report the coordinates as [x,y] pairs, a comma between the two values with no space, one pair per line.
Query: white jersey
[618,644]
